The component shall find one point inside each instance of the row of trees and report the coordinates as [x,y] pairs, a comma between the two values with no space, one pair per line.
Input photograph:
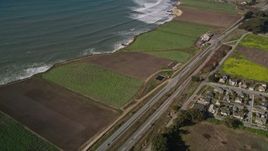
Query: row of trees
[256,22]
[171,139]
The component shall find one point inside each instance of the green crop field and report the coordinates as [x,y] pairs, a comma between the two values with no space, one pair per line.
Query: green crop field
[179,56]
[210,5]
[14,137]
[172,35]
[255,41]
[169,38]
[241,67]
[94,81]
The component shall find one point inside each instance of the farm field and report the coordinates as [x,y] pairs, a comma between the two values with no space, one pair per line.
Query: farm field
[64,118]
[15,137]
[179,56]
[175,35]
[255,41]
[249,60]
[255,55]
[95,82]
[205,17]
[209,137]
[211,5]
[241,67]
[134,64]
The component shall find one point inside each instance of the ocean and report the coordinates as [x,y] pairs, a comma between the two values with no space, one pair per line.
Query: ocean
[36,34]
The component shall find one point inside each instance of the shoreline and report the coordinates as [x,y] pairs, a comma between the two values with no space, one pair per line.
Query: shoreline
[116,50]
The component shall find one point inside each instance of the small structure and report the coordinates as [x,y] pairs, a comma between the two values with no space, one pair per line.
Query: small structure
[232,82]
[251,88]
[206,37]
[242,85]
[217,103]
[261,88]
[212,109]
[218,90]
[225,111]
[238,100]
[223,79]
[160,78]
[204,101]
[261,119]
[239,115]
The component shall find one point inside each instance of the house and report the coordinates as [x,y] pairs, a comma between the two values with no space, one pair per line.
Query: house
[251,88]
[212,109]
[261,88]
[261,119]
[218,103]
[242,85]
[232,82]
[227,98]
[218,90]
[238,100]
[203,101]
[206,37]
[225,111]
[239,115]
[221,80]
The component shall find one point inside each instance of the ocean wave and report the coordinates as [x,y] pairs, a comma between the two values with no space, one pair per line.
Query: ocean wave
[153,11]
[27,72]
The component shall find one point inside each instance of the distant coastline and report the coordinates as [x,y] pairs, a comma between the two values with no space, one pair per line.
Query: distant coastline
[173,13]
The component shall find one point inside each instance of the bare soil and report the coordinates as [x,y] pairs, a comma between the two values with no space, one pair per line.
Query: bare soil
[66,119]
[133,64]
[209,137]
[216,58]
[207,17]
[255,55]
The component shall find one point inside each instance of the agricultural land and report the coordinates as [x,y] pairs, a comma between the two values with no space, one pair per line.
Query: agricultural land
[210,5]
[15,137]
[249,61]
[55,113]
[174,40]
[205,136]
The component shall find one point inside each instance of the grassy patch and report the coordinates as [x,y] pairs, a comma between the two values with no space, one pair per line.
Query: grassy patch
[210,5]
[179,56]
[172,35]
[15,137]
[241,67]
[255,41]
[92,80]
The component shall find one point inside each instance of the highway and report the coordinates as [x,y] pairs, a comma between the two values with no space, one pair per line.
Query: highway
[183,79]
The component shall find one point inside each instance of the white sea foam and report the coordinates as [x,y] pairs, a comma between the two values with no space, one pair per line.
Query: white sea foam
[26,73]
[153,11]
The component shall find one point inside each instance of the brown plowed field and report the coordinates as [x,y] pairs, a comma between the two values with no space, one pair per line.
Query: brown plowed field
[209,137]
[134,64]
[207,17]
[62,117]
[254,55]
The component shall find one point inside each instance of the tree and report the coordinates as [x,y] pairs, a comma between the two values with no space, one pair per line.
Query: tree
[256,22]
[213,78]
[160,143]
[196,78]
[232,123]
[248,15]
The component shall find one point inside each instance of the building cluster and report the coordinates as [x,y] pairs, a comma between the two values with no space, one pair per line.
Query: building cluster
[250,85]
[204,39]
[221,102]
